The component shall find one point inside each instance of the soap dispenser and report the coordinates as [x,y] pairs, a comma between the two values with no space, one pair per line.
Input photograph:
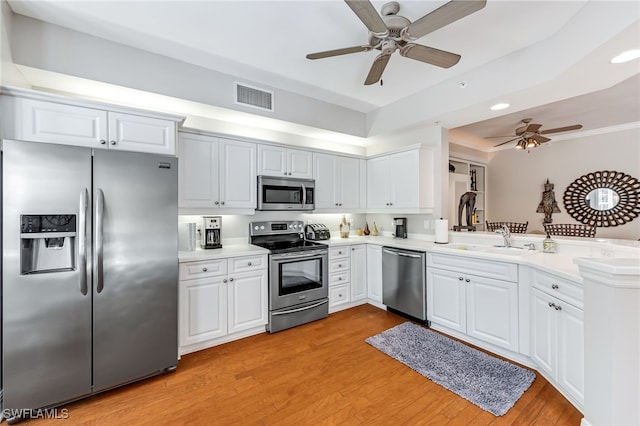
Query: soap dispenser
[548,245]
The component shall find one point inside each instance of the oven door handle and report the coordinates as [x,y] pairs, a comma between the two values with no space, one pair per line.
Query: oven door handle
[304,308]
[298,256]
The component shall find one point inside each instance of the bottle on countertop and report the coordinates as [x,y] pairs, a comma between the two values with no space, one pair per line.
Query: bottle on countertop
[366,228]
[548,245]
[375,230]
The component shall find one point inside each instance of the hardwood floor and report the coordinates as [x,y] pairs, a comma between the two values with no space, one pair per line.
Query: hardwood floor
[319,373]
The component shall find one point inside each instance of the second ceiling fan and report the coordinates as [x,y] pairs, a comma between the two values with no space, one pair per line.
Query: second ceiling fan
[391,32]
[530,136]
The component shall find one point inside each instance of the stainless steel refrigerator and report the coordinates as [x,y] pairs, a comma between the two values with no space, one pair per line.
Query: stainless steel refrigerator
[89,271]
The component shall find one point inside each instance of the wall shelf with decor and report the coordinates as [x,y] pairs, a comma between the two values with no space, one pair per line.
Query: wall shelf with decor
[467,176]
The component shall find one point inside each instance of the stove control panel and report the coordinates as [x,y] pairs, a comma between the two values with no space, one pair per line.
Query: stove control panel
[276,227]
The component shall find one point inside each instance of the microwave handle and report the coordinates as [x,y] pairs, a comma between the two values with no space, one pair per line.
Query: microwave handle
[304,195]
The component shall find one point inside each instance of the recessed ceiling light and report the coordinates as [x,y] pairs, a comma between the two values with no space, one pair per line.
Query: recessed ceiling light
[498,107]
[627,56]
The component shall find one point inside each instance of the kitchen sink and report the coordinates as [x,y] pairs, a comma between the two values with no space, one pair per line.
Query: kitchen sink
[508,251]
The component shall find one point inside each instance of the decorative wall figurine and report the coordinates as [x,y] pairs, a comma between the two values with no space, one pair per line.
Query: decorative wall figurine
[548,204]
[468,201]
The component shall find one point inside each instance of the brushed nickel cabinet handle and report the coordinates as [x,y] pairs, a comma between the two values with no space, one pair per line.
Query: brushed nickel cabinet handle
[204,269]
[113,142]
[555,286]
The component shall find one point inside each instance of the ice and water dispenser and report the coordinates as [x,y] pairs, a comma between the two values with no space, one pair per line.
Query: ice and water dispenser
[47,243]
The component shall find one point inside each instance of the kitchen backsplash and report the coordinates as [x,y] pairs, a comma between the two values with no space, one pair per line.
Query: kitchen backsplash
[235,228]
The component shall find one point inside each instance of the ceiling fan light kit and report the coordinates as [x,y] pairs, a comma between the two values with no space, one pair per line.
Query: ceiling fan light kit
[529,135]
[391,32]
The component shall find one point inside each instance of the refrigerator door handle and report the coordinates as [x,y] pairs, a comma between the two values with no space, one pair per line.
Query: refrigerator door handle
[82,240]
[98,273]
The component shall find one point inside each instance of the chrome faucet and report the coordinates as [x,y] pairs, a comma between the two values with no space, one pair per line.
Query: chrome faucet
[506,235]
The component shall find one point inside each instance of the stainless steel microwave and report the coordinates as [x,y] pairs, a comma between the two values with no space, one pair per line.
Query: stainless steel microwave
[276,193]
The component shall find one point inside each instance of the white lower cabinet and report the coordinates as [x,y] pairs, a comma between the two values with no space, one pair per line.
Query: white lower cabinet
[479,306]
[221,297]
[374,272]
[557,337]
[347,276]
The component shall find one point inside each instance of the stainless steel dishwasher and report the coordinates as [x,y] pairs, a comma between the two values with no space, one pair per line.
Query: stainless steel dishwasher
[404,282]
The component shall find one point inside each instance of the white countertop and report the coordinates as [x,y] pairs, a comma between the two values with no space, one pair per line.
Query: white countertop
[226,251]
[562,264]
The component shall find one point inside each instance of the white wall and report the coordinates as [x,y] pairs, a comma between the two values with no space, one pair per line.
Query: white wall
[516,178]
[9,75]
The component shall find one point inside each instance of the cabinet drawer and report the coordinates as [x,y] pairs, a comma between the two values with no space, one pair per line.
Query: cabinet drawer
[480,267]
[202,269]
[338,295]
[338,252]
[247,263]
[562,289]
[339,278]
[339,265]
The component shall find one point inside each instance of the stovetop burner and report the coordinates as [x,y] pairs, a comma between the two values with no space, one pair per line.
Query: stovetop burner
[288,246]
[281,237]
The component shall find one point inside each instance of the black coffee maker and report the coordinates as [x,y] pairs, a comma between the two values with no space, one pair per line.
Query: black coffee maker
[400,224]
[211,232]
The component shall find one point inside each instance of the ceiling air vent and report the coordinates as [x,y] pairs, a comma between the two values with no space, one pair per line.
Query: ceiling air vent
[253,97]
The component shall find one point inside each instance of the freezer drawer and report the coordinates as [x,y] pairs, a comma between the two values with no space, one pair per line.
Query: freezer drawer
[404,281]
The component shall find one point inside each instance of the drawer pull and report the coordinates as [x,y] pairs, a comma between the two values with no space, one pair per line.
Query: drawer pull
[340,295]
[224,280]
[555,286]
[230,280]
[467,280]
[249,264]
[554,306]
[460,278]
[339,278]
[204,269]
[339,265]
[551,304]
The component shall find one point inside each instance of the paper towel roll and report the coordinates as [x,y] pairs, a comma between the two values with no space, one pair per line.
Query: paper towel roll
[442,231]
[186,236]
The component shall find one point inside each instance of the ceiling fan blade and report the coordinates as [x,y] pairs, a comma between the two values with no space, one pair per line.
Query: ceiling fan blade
[562,129]
[444,15]
[494,137]
[532,128]
[369,17]
[540,138]
[377,68]
[429,55]
[510,140]
[338,52]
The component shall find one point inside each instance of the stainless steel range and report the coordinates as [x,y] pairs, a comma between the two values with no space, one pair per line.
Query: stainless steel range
[298,272]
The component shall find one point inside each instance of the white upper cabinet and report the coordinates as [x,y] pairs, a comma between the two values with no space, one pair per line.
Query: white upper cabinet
[402,182]
[217,173]
[338,182]
[279,161]
[82,125]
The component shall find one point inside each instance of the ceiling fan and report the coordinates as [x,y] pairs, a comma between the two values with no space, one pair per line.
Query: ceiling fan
[530,136]
[391,32]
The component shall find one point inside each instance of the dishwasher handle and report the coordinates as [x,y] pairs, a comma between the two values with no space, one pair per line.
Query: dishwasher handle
[402,253]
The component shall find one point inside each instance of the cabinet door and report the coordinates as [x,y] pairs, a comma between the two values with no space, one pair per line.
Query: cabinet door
[358,272]
[203,310]
[198,171]
[272,161]
[446,299]
[571,350]
[378,183]
[300,163]
[404,179]
[492,311]
[325,175]
[41,121]
[374,272]
[129,132]
[349,183]
[237,174]
[247,300]
[544,332]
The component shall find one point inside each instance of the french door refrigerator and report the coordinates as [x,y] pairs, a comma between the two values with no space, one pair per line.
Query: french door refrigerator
[89,271]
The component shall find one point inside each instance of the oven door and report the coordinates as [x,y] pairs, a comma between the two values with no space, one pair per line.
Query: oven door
[297,278]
